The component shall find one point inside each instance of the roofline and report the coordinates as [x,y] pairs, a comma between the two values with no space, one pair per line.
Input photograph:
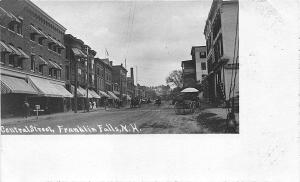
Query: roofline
[45,14]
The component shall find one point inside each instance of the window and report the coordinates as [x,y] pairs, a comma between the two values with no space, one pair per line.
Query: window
[41,41]
[2,57]
[41,69]
[203,66]
[32,37]
[202,54]
[11,60]
[32,63]
[50,72]
[19,63]
[59,51]
[55,73]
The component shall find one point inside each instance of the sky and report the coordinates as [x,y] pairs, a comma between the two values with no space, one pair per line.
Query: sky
[153,36]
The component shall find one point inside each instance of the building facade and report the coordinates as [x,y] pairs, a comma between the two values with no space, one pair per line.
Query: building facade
[221,34]
[130,84]
[32,58]
[119,76]
[188,73]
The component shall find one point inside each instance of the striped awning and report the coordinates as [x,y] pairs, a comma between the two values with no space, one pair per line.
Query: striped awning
[24,55]
[103,94]
[15,51]
[53,64]
[46,88]
[41,60]
[11,84]
[82,92]
[63,91]
[78,52]
[94,94]
[4,47]
[113,95]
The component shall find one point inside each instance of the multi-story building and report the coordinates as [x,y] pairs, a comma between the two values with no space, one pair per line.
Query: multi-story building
[198,54]
[32,59]
[221,33]
[81,71]
[119,76]
[130,84]
[188,73]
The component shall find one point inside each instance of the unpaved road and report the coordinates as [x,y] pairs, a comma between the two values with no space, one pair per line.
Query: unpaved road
[148,119]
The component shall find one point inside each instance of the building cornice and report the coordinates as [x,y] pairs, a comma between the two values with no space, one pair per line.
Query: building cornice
[44,13]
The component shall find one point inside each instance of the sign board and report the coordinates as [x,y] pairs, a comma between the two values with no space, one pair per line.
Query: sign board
[37,107]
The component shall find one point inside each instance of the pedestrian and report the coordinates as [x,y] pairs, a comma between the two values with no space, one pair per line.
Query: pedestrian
[94,104]
[26,109]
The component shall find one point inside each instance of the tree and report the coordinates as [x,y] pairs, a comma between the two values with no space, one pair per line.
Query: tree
[175,78]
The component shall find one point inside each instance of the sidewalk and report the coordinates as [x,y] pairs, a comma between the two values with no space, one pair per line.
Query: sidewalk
[43,116]
[214,118]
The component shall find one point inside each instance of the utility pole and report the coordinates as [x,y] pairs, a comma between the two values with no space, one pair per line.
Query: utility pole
[87,83]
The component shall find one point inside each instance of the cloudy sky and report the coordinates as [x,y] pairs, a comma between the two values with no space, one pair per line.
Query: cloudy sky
[154,36]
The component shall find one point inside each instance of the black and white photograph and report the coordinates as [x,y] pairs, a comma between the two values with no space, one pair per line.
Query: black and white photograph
[119,67]
[149,91]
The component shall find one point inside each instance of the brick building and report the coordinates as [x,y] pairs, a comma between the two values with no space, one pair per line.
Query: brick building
[221,34]
[119,76]
[130,84]
[32,59]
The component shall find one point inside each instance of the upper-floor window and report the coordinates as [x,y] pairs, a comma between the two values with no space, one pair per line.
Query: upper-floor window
[202,54]
[2,58]
[203,66]
[32,63]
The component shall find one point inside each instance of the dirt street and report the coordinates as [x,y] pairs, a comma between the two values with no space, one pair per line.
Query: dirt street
[149,119]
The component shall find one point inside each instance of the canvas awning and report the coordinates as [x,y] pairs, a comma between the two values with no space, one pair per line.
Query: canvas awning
[4,47]
[113,95]
[42,61]
[15,50]
[94,94]
[54,65]
[103,93]
[46,88]
[63,90]
[15,85]
[34,30]
[82,92]
[24,55]
[78,52]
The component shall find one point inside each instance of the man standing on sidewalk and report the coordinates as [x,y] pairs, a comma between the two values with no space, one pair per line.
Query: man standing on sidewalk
[26,109]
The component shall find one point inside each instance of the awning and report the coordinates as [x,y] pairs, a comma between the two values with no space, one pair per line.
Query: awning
[116,92]
[4,47]
[63,91]
[45,88]
[24,55]
[42,61]
[54,65]
[78,52]
[55,42]
[82,92]
[15,51]
[35,30]
[94,94]
[15,85]
[103,94]
[113,95]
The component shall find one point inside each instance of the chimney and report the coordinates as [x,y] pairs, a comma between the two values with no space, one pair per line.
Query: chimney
[131,73]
